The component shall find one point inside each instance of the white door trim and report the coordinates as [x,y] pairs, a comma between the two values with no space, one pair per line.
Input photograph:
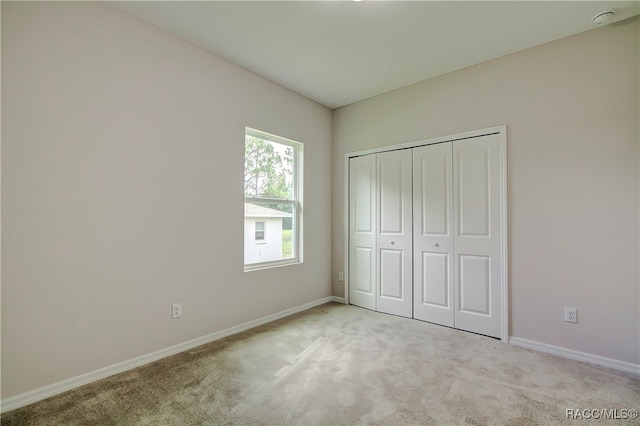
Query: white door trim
[502,131]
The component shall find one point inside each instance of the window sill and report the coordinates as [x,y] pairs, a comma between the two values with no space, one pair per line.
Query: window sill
[270,265]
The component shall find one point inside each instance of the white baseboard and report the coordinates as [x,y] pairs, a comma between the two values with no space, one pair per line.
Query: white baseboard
[576,355]
[337,299]
[56,388]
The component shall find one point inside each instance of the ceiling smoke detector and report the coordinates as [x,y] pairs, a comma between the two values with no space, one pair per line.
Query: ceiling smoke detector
[603,17]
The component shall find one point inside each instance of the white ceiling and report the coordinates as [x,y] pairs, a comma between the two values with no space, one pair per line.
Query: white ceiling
[339,52]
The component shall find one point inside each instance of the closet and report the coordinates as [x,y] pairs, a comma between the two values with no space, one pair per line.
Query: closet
[427,232]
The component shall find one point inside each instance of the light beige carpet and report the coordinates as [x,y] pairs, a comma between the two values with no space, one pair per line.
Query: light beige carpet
[342,365]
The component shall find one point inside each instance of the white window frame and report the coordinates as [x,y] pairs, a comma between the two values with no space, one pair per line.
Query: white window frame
[295,202]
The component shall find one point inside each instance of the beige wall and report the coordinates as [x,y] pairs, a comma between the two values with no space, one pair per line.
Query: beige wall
[122,182]
[571,108]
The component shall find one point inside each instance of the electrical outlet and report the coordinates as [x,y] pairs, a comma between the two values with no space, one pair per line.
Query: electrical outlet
[341,276]
[176,310]
[570,314]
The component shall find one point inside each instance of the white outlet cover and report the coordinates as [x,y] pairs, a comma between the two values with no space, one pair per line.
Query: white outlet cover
[176,310]
[570,314]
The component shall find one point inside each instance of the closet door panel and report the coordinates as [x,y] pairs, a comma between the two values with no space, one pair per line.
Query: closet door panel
[472,179]
[477,235]
[363,269]
[362,231]
[434,280]
[391,274]
[394,241]
[475,284]
[433,233]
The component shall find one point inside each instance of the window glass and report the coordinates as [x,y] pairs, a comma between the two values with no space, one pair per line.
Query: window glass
[272,191]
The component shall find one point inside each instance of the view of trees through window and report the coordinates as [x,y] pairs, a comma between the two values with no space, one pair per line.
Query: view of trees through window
[270,190]
[268,169]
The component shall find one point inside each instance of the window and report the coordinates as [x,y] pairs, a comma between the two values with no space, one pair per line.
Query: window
[272,200]
[260,231]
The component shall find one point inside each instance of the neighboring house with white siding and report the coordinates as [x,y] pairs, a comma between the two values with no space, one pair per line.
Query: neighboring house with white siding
[262,233]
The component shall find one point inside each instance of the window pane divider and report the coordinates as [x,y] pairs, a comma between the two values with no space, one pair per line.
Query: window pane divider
[269,200]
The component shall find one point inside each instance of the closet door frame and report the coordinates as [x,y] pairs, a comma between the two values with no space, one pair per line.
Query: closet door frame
[504,248]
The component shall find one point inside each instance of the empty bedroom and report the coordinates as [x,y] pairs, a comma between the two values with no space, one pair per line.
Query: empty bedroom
[320,212]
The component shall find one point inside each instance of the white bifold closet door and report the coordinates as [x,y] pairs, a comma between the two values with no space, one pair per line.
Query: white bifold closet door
[362,231]
[380,224]
[394,245]
[425,233]
[477,235]
[457,253]
[433,233]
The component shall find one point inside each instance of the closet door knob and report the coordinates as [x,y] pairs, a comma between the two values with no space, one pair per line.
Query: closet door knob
[436,244]
[392,242]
